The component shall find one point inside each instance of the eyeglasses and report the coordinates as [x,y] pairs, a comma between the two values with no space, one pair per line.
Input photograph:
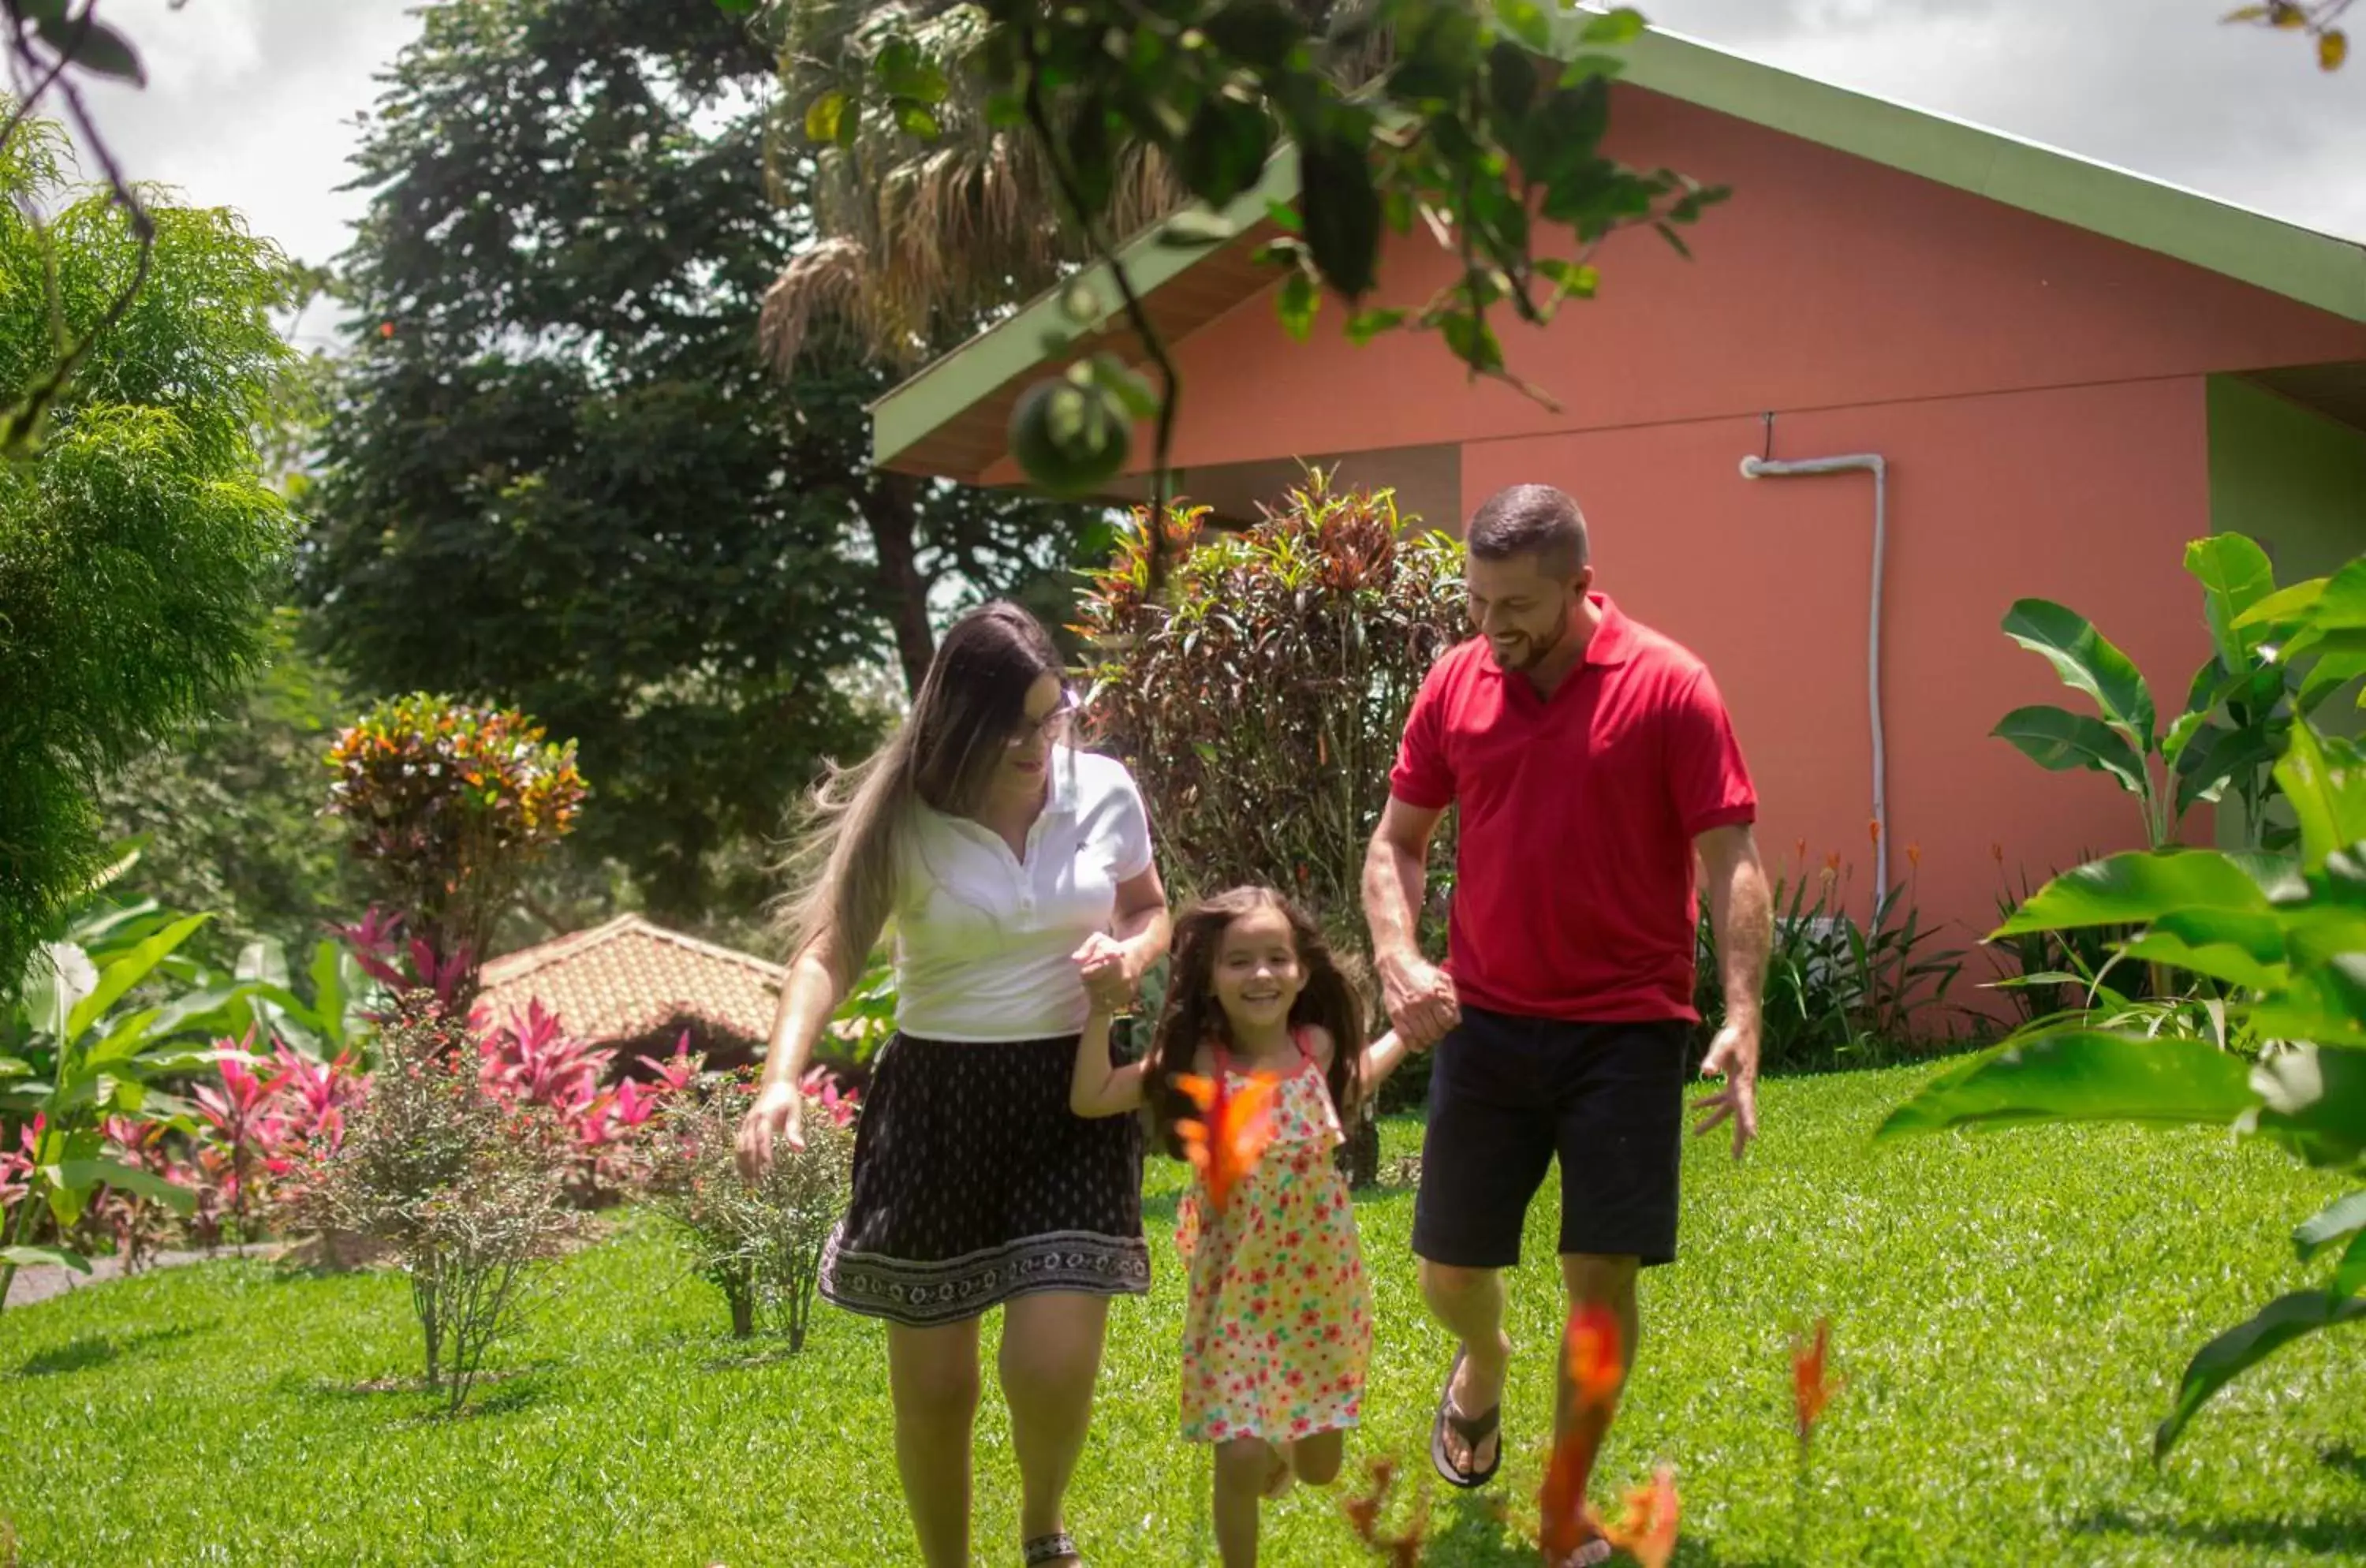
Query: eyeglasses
[1050,727]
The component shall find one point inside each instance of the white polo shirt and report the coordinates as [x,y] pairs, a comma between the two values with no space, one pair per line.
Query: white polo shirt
[982,938]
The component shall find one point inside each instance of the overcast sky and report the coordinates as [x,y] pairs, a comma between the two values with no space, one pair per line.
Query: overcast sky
[251,102]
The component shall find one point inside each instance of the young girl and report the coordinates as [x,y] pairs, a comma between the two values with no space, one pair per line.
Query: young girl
[1279,1322]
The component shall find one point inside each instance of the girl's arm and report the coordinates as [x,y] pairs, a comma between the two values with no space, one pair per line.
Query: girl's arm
[1096,1087]
[1381,1058]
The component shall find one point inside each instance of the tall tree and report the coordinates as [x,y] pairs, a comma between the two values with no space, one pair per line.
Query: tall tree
[561,474]
[140,551]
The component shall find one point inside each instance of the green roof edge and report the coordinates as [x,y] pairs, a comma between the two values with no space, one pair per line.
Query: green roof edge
[2268,252]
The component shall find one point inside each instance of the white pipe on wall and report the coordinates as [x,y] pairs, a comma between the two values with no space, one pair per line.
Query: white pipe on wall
[1762,467]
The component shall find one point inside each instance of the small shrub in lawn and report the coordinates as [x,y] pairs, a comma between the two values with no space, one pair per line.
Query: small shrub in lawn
[758,1243]
[1260,694]
[450,803]
[467,1195]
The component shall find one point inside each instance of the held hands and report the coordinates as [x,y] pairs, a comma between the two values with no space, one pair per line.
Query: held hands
[777,1117]
[1733,1056]
[1420,1002]
[1110,972]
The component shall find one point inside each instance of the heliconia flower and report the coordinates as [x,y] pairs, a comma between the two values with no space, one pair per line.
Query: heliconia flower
[1234,1126]
[1812,1386]
[1646,1528]
[1873,831]
[1914,856]
[1590,1346]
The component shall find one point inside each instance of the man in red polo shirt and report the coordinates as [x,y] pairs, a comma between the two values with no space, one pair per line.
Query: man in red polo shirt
[1591,760]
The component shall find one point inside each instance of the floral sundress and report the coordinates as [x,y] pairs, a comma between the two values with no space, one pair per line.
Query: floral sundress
[1279,1323]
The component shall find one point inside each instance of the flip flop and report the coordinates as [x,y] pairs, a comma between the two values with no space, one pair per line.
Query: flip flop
[1472,1429]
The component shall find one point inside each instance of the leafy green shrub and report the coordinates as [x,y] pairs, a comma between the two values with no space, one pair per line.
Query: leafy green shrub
[2281,1055]
[465,1194]
[1838,993]
[758,1243]
[1259,695]
[450,803]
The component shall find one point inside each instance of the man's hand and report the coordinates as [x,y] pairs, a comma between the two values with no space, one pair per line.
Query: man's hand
[1420,1001]
[1106,967]
[1732,1056]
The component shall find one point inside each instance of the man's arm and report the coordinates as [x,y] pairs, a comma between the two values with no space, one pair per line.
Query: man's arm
[1741,913]
[1420,997]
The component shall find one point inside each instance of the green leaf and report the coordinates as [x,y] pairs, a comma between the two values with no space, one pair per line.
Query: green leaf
[58,976]
[127,971]
[2343,1216]
[2204,769]
[917,120]
[94,46]
[35,1257]
[1296,302]
[2278,615]
[2314,1099]
[1366,325]
[1133,392]
[2326,783]
[1528,21]
[1343,213]
[2139,887]
[84,1174]
[2234,574]
[2059,740]
[2245,1345]
[824,116]
[2242,950]
[330,994]
[2350,1274]
[2083,1075]
[2327,674]
[1224,149]
[1624,25]
[2086,661]
[263,960]
[906,72]
[1282,216]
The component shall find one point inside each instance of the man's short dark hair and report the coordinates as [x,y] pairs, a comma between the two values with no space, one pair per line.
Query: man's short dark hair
[1531,520]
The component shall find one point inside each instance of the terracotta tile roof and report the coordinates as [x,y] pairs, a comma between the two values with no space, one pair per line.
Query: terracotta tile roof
[630,978]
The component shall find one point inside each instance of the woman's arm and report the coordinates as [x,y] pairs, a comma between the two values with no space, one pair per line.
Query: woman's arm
[809,995]
[1096,1087]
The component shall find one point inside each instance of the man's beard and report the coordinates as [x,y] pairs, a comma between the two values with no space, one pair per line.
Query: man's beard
[1533,651]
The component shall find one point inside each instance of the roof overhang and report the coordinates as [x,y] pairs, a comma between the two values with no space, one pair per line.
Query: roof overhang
[949,420]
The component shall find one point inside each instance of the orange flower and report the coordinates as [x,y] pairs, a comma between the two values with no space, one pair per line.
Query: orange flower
[1591,1346]
[1564,1521]
[1799,852]
[1233,1129]
[1812,1386]
[1873,831]
[1646,1530]
[1914,856]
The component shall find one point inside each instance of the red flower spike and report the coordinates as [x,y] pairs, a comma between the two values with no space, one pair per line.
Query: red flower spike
[1233,1128]
[1812,1384]
[1591,1346]
[1646,1530]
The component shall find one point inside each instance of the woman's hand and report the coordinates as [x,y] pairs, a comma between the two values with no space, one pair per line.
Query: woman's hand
[777,1117]
[1109,970]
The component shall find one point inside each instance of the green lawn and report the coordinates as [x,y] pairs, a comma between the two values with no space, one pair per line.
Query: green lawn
[2010,1313]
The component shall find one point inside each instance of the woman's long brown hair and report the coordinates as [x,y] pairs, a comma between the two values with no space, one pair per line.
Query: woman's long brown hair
[1193,1017]
[972,701]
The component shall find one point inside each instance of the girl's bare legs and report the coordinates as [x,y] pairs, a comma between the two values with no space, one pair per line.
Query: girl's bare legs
[1244,1469]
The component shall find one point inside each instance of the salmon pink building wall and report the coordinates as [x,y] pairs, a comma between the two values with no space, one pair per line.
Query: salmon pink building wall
[2038,391]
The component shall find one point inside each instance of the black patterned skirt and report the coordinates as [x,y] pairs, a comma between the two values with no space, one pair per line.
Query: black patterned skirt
[974,1183]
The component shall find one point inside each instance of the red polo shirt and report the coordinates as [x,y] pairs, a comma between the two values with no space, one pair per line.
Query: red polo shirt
[1573,892]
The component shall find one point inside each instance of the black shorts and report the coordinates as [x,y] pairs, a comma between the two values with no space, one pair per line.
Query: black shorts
[1507,1094]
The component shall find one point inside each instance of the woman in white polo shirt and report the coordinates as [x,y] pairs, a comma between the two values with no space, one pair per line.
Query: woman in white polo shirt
[1017,872]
